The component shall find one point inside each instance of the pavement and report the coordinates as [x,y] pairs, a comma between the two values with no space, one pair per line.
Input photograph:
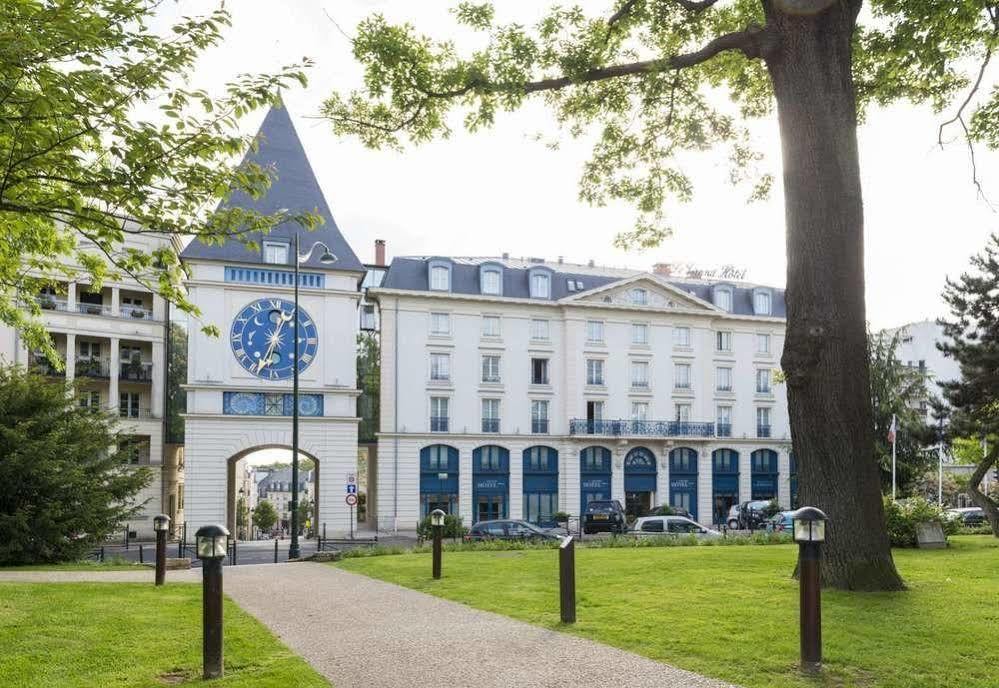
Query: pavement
[357,631]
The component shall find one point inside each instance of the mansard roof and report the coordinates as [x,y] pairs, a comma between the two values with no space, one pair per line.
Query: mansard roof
[410,273]
[294,188]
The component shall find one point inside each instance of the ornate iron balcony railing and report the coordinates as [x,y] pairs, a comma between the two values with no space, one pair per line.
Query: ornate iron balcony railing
[644,428]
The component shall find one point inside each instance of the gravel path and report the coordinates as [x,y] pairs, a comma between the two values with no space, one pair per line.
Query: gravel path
[358,631]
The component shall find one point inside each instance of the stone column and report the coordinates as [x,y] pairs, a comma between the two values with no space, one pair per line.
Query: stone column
[515,498]
[115,301]
[159,380]
[705,486]
[71,297]
[745,474]
[113,368]
[617,472]
[662,476]
[70,357]
[159,309]
[465,507]
[784,478]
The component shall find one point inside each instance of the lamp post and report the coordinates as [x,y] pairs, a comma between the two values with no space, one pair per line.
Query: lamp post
[294,552]
[161,524]
[211,548]
[437,522]
[810,533]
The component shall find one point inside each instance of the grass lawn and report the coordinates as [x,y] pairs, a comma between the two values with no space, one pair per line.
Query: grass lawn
[113,635]
[110,565]
[732,612]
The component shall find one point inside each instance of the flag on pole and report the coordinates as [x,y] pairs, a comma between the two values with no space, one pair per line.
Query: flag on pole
[891,430]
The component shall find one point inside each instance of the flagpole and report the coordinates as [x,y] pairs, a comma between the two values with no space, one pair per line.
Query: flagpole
[893,457]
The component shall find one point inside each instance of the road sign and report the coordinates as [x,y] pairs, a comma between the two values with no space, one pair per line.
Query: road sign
[351,499]
[351,478]
[351,488]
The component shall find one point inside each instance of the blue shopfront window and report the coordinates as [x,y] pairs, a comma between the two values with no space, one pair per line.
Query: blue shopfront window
[639,481]
[683,479]
[724,483]
[540,485]
[490,482]
[594,475]
[764,474]
[438,479]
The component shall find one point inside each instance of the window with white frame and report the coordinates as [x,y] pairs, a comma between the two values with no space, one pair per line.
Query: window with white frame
[439,414]
[640,374]
[490,415]
[440,323]
[763,381]
[639,410]
[762,303]
[88,349]
[723,341]
[491,282]
[723,417]
[594,330]
[762,343]
[683,413]
[490,368]
[90,400]
[539,416]
[681,336]
[540,285]
[440,366]
[490,326]
[723,298]
[128,405]
[639,333]
[440,278]
[539,371]
[681,376]
[276,252]
[639,296]
[763,421]
[594,371]
[723,379]
[540,329]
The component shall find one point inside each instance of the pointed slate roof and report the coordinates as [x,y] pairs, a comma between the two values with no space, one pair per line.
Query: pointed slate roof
[295,188]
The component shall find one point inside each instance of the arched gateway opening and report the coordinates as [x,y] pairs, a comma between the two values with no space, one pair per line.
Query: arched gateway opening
[263,473]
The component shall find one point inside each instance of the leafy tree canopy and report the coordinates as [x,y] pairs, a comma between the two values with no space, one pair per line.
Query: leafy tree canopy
[82,168]
[264,515]
[645,79]
[65,486]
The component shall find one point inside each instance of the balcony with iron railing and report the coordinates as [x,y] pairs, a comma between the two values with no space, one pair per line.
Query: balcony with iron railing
[88,366]
[136,413]
[539,426]
[723,429]
[47,302]
[439,423]
[641,428]
[490,425]
[763,431]
[135,371]
[136,312]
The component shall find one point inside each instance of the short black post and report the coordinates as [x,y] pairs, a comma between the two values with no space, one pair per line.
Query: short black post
[324,530]
[810,532]
[210,542]
[275,550]
[161,524]
[102,554]
[235,555]
[437,524]
[141,559]
[567,580]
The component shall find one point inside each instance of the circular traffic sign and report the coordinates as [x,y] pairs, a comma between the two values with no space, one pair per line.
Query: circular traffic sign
[351,499]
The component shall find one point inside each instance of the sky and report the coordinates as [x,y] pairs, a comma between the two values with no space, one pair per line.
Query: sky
[503,191]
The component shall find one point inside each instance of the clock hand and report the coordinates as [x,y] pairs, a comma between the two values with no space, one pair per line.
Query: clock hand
[265,360]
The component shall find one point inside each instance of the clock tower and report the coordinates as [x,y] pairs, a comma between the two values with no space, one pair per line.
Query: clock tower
[239,384]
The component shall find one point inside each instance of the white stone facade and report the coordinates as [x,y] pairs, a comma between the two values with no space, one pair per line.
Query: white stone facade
[638,350]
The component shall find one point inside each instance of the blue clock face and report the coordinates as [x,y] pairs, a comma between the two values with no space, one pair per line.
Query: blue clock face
[262,338]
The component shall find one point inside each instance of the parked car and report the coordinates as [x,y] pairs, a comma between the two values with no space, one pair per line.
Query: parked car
[666,510]
[509,529]
[782,521]
[748,515]
[605,515]
[671,525]
[969,516]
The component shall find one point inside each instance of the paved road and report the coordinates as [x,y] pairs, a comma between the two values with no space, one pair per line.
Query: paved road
[357,631]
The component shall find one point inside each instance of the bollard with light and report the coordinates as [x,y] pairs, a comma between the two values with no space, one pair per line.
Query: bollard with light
[161,524]
[437,523]
[211,548]
[809,525]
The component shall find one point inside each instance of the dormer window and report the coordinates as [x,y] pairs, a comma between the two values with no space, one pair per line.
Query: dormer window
[541,284]
[440,276]
[723,297]
[762,302]
[276,252]
[640,297]
[491,280]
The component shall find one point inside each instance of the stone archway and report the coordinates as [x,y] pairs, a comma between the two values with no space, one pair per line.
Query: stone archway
[231,487]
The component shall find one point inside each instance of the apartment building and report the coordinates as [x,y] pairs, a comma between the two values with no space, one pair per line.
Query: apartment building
[519,388]
[112,341]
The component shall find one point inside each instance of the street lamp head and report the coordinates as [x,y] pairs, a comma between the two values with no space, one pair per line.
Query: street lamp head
[212,542]
[328,258]
[161,522]
[809,524]
[437,517]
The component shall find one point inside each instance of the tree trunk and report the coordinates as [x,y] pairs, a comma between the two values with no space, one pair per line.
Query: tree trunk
[984,501]
[825,353]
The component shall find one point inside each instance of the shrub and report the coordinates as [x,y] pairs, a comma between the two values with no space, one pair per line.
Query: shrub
[452,528]
[903,518]
[560,517]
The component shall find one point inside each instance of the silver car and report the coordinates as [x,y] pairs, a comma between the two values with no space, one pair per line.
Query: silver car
[671,525]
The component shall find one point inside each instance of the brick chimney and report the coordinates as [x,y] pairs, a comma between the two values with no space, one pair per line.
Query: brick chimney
[380,252]
[665,269]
